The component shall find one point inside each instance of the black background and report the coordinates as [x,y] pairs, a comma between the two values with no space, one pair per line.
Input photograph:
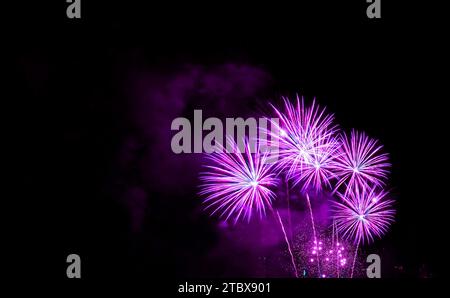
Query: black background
[378,75]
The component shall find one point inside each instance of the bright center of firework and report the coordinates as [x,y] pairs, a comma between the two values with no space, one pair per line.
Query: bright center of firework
[282,133]
[361,216]
[356,169]
[374,200]
[254,183]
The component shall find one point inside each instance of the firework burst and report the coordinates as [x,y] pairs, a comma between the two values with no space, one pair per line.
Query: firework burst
[235,184]
[307,145]
[318,173]
[363,215]
[360,162]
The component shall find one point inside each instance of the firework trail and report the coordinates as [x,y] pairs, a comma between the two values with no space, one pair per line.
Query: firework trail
[354,259]
[333,236]
[287,242]
[236,183]
[363,215]
[314,230]
[360,162]
[289,209]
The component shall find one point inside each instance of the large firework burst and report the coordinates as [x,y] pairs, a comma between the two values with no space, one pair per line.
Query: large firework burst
[363,215]
[307,145]
[360,162]
[237,183]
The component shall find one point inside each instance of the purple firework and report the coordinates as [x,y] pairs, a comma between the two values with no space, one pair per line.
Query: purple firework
[363,215]
[307,145]
[236,183]
[319,171]
[360,162]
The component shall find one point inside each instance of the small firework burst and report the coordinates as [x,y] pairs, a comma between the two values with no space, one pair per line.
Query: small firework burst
[363,215]
[360,162]
[235,184]
[318,173]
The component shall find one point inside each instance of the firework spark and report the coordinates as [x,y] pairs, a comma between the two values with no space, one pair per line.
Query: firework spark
[236,183]
[363,215]
[307,145]
[360,163]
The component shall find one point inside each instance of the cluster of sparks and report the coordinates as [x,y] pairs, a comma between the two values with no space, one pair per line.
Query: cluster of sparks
[317,156]
[328,259]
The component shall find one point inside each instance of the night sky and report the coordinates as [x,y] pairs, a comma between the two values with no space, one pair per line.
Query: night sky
[95,98]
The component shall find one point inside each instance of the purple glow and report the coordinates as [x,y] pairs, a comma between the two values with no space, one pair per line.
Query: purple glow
[311,156]
[235,184]
[361,219]
[360,162]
